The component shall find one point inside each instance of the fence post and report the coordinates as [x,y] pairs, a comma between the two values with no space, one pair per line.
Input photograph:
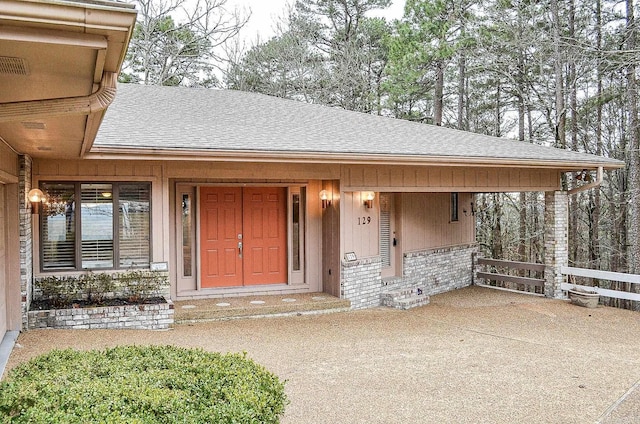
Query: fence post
[556,241]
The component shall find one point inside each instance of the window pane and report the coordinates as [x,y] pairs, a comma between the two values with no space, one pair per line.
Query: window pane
[295,215]
[96,225]
[133,224]
[454,207]
[58,226]
[187,231]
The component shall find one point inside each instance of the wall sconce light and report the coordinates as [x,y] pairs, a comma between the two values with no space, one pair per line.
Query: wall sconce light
[367,197]
[473,210]
[324,197]
[35,196]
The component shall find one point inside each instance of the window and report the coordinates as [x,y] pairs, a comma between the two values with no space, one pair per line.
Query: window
[108,229]
[454,207]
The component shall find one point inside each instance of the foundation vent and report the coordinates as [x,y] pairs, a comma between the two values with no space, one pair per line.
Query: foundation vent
[13,66]
[34,125]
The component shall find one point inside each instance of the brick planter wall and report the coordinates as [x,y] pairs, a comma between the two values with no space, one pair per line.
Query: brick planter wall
[361,282]
[144,317]
[439,270]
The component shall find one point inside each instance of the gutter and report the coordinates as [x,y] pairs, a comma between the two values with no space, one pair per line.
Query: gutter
[84,105]
[593,184]
[165,154]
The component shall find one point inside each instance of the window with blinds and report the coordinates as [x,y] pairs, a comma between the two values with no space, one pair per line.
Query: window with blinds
[90,235]
[134,226]
[58,227]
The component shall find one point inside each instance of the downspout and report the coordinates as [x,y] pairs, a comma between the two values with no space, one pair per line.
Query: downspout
[594,184]
[84,105]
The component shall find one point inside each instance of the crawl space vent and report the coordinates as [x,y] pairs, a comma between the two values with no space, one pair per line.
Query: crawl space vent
[13,66]
[34,125]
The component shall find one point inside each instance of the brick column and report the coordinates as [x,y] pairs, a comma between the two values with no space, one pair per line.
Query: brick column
[26,241]
[556,240]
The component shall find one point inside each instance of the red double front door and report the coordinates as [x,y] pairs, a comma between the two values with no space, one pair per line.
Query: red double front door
[243,238]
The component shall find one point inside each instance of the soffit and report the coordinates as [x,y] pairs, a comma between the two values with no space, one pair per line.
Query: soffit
[57,50]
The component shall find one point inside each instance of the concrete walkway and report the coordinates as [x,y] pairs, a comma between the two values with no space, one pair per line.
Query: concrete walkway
[472,356]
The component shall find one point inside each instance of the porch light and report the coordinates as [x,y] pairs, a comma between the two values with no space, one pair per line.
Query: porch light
[35,196]
[473,210]
[368,197]
[324,197]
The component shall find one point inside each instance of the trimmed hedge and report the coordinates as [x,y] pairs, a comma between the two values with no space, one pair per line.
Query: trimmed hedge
[135,384]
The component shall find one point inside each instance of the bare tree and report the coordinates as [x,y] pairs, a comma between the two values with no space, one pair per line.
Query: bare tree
[177,42]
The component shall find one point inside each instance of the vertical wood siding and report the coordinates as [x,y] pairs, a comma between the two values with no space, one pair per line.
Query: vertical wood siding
[426,221]
[361,226]
[440,179]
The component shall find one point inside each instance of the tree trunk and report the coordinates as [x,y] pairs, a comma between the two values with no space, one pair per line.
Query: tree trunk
[560,123]
[461,92]
[574,201]
[594,236]
[438,93]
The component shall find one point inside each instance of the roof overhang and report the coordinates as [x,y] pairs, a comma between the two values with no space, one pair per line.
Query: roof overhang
[58,64]
[103,152]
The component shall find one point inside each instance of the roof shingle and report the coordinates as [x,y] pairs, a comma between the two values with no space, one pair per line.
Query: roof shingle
[178,119]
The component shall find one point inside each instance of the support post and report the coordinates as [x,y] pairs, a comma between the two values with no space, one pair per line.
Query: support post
[556,241]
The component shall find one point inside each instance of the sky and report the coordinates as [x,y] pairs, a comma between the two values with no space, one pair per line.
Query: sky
[265,12]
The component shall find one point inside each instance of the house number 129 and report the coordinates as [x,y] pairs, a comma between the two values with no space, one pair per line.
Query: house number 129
[364,220]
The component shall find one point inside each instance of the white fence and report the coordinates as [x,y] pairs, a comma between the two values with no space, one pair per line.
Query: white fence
[602,275]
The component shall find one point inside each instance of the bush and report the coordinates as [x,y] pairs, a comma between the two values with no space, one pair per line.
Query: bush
[95,289]
[154,384]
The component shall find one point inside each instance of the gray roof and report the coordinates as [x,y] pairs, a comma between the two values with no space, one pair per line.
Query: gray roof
[208,122]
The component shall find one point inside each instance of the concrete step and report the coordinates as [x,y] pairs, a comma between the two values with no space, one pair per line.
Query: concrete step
[190,311]
[400,294]
[405,298]
[391,281]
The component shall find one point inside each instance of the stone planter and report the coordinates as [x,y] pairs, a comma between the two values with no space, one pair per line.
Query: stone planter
[157,316]
[584,298]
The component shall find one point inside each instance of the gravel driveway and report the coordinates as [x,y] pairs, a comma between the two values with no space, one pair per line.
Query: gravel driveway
[472,356]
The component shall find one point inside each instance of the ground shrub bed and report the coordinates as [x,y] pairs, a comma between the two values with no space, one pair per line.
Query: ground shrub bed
[133,384]
[98,289]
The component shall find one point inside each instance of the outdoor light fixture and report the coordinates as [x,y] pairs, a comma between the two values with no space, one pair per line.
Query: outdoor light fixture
[35,196]
[368,197]
[473,210]
[324,197]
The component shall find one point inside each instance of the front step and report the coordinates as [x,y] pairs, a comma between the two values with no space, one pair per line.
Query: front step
[191,311]
[405,298]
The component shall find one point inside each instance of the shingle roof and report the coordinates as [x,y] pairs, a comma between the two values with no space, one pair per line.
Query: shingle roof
[177,120]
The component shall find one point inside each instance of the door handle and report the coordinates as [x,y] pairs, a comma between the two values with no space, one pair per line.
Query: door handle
[240,249]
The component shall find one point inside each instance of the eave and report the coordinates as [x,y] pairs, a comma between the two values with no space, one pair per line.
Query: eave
[103,152]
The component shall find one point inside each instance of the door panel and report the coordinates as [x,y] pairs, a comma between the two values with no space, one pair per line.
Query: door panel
[253,216]
[265,235]
[221,224]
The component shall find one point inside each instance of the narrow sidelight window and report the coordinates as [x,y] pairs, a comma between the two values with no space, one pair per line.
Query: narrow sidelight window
[454,207]
[187,223]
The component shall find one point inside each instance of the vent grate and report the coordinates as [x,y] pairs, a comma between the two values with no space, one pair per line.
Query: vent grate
[13,66]
[34,125]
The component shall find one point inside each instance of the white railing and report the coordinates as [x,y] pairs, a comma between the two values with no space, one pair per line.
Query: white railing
[602,275]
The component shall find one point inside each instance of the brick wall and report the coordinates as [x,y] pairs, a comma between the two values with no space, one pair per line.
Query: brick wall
[361,282]
[439,270]
[26,241]
[556,240]
[146,317]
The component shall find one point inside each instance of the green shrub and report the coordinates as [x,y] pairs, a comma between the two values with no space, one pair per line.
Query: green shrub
[139,285]
[60,291]
[133,384]
[134,285]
